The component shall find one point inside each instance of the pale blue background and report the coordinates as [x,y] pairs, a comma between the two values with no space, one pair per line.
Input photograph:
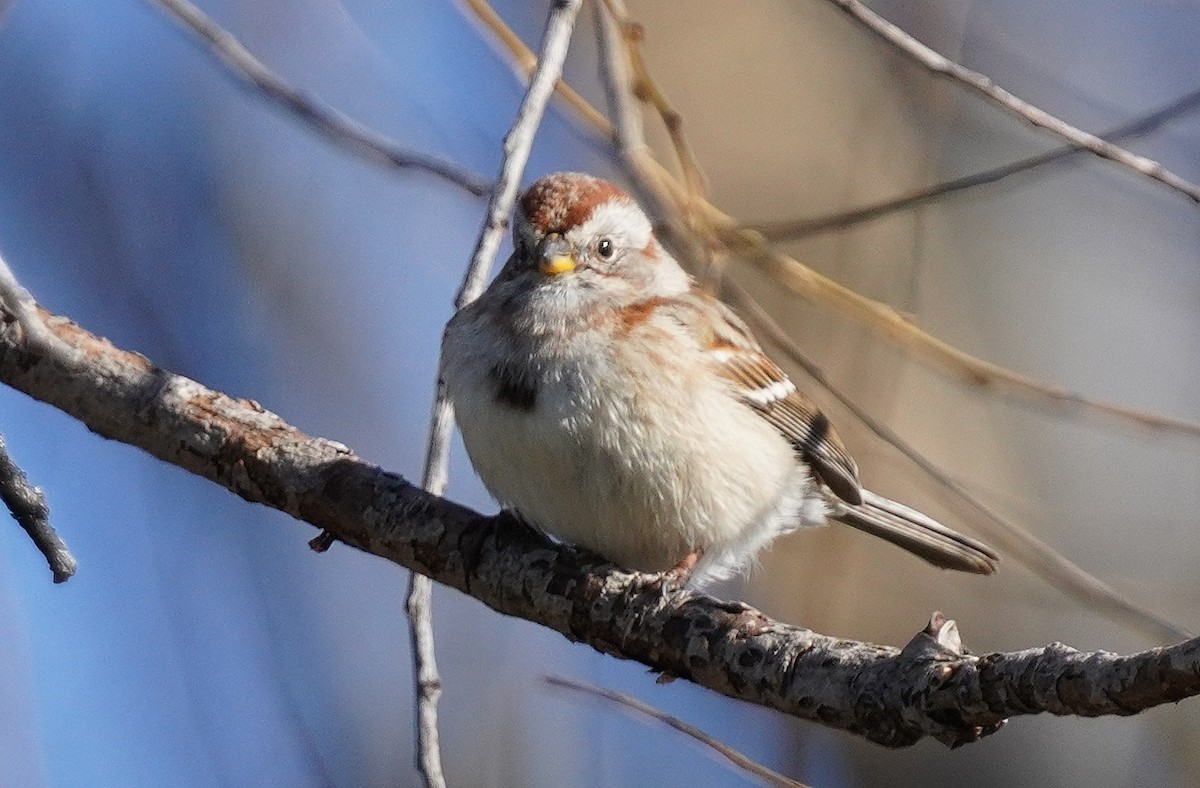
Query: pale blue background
[153,200]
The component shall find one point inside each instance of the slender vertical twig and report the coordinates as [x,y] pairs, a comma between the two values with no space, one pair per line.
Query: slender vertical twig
[517,145]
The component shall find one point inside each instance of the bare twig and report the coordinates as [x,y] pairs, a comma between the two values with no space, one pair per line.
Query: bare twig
[627,78]
[767,775]
[517,145]
[648,91]
[1018,542]
[793,229]
[419,607]
[333,124]
[672,227]
[893,697]
[943,66]
[652,177]
[27,504]
[934,352]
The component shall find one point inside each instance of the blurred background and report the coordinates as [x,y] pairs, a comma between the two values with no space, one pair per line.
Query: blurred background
[155,201]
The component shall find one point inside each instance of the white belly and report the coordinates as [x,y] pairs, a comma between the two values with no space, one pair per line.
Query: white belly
[642,479]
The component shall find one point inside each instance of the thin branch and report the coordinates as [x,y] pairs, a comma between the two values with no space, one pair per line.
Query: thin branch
[941,65]
[893,697]
[333,124]
[517,145]
[737,759]
[652,177]
[934,352]
[626,80]
[525,61]
[1018,542]
[419,607]
[28,506]
[793,229]
[27,503]
[673,228]
[648,91]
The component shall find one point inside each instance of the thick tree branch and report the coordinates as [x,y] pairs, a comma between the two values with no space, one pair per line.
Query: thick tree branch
[893,697]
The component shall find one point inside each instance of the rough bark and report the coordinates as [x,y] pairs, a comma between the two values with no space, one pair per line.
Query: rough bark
[890,696]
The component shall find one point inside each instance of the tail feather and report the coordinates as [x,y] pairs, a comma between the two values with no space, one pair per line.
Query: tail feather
[917,533]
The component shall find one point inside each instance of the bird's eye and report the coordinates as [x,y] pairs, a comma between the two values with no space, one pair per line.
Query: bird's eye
[605,248]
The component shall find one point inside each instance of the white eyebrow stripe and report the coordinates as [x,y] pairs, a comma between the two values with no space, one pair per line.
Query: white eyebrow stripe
[619,217]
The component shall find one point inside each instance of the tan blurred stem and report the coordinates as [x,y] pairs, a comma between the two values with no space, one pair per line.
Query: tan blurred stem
[647,90]
[943,66]
[793,229]
[805,282]
[627,79]
[753,768]
[1031,552]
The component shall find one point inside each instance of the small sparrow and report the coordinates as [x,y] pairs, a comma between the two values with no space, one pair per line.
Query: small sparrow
[606,401]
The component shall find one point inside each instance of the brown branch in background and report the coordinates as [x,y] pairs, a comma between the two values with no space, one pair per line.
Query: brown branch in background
[932,351]
[794,229]
[1018,542]
[943,66]
[629,138]
[1031,552]
[802,280]
[336,126]
[646,90]
[630,703]
[889,696]
[517,145]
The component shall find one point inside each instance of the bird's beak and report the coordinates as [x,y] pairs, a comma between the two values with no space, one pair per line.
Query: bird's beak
[554,256]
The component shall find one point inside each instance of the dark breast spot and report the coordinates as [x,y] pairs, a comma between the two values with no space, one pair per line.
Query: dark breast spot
[513,388]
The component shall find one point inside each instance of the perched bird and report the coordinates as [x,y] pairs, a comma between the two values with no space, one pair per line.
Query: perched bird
[608,402]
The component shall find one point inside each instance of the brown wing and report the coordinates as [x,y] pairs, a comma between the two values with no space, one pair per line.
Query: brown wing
[762,385]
